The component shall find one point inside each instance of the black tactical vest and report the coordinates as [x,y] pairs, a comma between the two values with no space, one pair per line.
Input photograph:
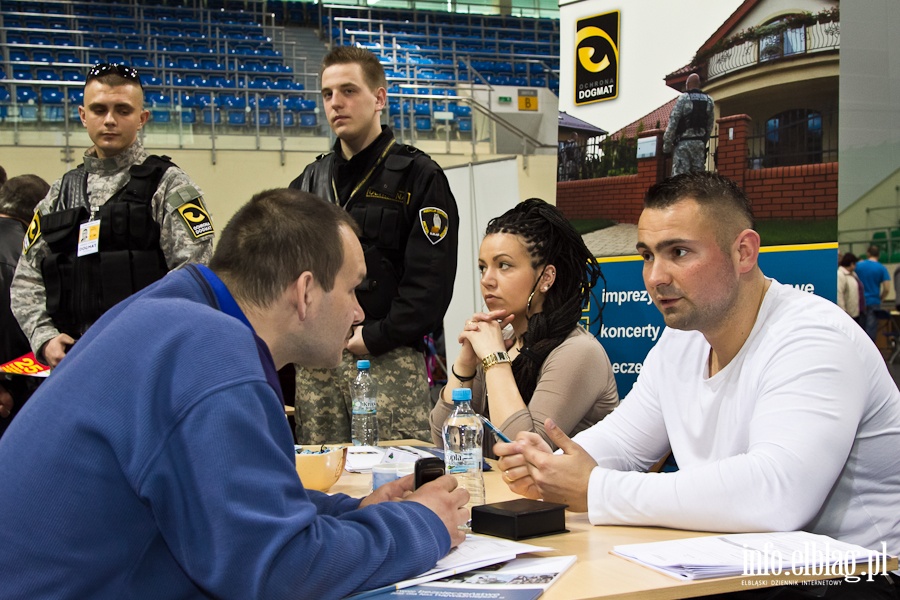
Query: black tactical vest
[129,257]
[380,210]
[696,120]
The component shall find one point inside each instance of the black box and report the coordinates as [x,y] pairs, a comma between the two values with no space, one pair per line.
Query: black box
[519,519]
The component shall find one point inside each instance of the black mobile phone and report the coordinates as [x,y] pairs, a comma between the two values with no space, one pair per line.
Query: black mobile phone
[428,469]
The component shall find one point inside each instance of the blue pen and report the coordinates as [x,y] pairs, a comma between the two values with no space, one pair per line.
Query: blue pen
[496,431]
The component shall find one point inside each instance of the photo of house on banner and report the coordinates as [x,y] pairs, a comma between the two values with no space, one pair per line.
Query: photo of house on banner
[772,70]
[761,78]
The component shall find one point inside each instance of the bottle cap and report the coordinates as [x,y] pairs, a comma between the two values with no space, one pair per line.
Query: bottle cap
[362,364]
[462,395]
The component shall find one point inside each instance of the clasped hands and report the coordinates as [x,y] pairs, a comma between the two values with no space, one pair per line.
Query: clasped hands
[482,335]
[531,469]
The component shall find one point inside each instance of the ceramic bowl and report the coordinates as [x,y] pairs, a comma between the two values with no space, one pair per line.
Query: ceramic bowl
[321,470]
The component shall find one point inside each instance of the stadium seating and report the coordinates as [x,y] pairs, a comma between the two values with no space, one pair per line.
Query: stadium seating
[201,62]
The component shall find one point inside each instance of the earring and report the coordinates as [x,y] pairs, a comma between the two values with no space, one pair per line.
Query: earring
[544,289]
[528,305]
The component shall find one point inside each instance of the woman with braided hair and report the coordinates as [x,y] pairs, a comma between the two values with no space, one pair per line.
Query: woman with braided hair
[536,275]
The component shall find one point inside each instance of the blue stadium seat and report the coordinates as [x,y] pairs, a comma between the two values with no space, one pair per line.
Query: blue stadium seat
[45,74]
[210,64]
[158,99]
[265,118]
[289,120]
[39,38]
[76,96]
[190,100]
[423,124]
[188,117]
[25,94]
[161,115]
[293,103]
[150,80]
[309,121]
[211,113]
[42,56]
[283,83]
[195,81]
[4,101]
[237,118]
[465,125]
[141,62]
[185,62]
[232,101]
[260,83]
[22,72]
[397,123]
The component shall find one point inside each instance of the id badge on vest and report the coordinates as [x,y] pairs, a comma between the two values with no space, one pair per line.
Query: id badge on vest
[88,236]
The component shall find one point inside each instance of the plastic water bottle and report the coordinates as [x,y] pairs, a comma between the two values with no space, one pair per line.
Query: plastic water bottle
[463,433]
[364,391]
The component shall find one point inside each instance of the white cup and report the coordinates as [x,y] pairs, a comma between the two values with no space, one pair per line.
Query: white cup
[386,472]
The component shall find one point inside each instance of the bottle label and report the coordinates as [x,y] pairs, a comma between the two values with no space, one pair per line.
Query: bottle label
[364,406]
[461,462]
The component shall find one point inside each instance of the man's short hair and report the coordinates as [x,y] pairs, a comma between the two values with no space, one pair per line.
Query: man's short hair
[2,176]
[21,194]
[718,196]
[874,251]
[274,238]
[115,75]
[848,259]
[372,70]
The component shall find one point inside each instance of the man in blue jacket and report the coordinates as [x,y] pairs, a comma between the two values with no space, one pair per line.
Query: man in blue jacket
[156,461]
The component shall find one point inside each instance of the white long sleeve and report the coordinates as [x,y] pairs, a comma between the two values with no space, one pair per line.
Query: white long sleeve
[799,431]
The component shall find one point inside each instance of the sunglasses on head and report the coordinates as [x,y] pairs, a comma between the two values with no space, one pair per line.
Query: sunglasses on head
[129,73]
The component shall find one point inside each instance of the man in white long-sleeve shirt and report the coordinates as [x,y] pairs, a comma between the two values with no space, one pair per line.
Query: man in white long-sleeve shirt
[778,407]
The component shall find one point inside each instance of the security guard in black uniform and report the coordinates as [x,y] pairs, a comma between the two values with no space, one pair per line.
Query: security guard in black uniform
[409,231]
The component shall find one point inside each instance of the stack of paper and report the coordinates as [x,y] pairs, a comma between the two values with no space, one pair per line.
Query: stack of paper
[361,459]
[518,579]
[794,552]
[475,552]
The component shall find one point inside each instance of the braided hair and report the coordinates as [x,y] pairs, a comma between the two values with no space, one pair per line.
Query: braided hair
[549,239]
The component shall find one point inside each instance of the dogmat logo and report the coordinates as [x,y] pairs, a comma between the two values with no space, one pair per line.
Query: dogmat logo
[597,58]
[196,218]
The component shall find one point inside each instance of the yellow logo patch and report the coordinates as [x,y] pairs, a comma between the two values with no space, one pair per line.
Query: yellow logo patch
[33,233]
[435,223]
[196,218]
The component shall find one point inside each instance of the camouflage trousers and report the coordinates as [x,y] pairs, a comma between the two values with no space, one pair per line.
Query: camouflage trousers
[689,156]
[323,404]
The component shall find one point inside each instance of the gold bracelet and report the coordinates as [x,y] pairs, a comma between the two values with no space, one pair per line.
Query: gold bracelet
[495,359]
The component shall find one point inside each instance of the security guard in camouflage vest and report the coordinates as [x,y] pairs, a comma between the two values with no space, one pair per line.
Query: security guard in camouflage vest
[402,202]
[690,125]
[112,226]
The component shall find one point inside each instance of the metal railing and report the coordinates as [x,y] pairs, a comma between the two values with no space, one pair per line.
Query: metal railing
[811,39]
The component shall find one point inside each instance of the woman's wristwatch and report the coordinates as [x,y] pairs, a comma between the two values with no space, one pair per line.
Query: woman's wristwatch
[494,359]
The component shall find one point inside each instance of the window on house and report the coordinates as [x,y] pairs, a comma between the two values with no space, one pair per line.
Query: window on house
[794,137]
[788,41]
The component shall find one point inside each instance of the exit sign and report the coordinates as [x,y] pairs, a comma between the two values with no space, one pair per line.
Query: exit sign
[505,100]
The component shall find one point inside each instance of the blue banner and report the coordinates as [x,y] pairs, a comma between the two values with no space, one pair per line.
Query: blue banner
[632,324]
